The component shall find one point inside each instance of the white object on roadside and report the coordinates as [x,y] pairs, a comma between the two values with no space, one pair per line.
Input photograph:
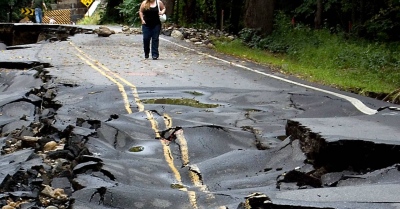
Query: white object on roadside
[52,21]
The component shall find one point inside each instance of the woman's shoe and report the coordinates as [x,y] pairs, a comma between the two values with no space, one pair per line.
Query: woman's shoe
[154,58]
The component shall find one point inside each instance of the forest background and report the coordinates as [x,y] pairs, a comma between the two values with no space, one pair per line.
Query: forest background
[353,45]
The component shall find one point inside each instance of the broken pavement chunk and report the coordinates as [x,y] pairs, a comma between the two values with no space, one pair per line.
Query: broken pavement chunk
[51,145]
[30,138]
[54,193]
[334,144]
[255,200]
[300,178]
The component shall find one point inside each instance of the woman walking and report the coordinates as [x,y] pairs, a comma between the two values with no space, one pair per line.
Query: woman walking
[151,26]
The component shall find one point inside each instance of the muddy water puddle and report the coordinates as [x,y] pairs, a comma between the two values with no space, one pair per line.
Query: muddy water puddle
[136,149]
[180,101]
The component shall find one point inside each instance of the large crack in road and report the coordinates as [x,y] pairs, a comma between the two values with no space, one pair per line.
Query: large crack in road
[67,144]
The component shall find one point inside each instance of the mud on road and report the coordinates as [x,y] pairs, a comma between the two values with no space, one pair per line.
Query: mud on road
[88,123]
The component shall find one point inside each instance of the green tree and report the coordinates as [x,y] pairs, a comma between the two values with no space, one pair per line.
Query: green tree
[170,5]
[374,19]
[112,12]
[129,10]
[10,10]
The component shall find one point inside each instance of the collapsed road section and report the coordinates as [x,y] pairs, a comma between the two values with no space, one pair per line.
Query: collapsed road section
[45,165]
[28,143]
[67,145]
[19,34]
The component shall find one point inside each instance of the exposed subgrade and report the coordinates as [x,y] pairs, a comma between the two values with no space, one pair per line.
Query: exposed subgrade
[21,34]
[39,160]
[335,154]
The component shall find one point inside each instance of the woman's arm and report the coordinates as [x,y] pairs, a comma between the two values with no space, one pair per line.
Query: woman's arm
[162,8]
[44,5]
[141,12]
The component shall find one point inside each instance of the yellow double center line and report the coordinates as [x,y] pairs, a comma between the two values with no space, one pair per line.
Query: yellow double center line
[194,175]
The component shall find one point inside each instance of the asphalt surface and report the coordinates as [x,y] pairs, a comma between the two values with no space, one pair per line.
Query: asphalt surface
[197,129]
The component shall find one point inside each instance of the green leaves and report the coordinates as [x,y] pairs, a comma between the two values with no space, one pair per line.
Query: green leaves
[129,9]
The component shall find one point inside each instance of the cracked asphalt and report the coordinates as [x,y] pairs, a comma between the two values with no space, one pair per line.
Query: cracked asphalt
[151,142]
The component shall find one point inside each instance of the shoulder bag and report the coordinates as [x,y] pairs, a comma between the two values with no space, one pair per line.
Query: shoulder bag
[163,17]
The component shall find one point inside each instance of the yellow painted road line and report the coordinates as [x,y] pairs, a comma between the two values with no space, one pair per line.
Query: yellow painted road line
[168,124]
[194,171]
[184,148]
[133,87]
[170,158]
[192,198]
[168,120]
[153,122]
[120,86]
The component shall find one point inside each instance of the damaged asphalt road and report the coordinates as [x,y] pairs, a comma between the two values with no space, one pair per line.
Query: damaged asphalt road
[89,123]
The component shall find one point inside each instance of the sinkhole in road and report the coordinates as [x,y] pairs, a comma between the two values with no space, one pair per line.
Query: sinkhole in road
[17,36]
[20,34]
[23,65]
[180,101]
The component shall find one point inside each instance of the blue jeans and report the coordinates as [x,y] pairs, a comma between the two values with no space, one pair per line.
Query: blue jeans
[38,15]
[151,34]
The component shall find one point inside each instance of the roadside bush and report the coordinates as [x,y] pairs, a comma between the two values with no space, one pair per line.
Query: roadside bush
[357,63]
[384,26]
[250,36]
[92,20]
[316,46]
[129,10]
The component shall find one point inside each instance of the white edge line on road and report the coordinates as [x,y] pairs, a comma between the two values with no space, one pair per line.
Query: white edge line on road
[357,103]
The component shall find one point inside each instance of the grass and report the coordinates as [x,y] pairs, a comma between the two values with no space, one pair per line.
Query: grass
[353,65]
[92,20]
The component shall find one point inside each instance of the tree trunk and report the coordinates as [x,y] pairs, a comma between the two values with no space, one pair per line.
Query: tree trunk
[219,7]
[190,11]
[177,10]
[112,13]
[236,14]
[169,5]
[260,15]
[222,6]
[318,15]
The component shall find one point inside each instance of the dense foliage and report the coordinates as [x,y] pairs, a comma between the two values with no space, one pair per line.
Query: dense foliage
[10,9]
[339,51]
[129,11]
[372,19]
[338,59]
